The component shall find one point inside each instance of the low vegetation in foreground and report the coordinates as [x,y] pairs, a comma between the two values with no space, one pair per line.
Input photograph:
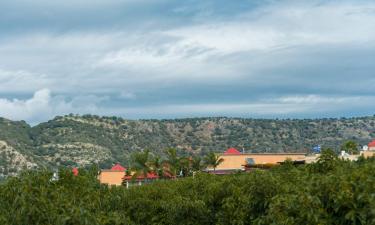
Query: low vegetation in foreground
[331,191]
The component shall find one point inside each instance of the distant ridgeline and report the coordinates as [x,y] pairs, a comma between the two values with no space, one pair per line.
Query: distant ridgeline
[83,140]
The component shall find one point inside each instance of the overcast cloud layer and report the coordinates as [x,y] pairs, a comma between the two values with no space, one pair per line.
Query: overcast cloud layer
[168,59]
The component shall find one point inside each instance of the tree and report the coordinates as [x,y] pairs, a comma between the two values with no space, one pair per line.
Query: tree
[173,160]
[327,161]
[351,147]
[212,160]
[197,163]
[157,165]
[140,163]
[185,166]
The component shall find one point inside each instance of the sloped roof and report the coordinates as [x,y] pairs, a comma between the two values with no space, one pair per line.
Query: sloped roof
[232,151]
[141,177]
[75,171]
[371,144]
[118,167]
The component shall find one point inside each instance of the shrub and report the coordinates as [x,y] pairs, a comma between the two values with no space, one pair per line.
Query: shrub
[284,195]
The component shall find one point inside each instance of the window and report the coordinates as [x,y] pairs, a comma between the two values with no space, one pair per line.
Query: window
[250,161]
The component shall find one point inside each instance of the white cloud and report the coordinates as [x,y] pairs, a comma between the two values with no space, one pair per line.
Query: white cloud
[271,107]
[127,95]
[21,81]
[279,26]
[42,105]
[26,109]
[269,51]
[316,99]
[204,52]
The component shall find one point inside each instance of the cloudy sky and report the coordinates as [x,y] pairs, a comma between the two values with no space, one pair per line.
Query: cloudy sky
[173,59]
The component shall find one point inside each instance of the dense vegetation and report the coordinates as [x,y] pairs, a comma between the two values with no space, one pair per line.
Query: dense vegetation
[330,191]
[83,140]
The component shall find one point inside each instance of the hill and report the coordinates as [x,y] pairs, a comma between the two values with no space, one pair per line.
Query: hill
[82,140]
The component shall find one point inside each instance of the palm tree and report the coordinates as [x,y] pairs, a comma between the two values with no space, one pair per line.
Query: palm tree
[351,147]
[173,160]
[197,163]
[157,165]
[140,163]
[185,166]
[213,160]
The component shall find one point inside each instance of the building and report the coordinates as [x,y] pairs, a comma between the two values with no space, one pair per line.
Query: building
[370,152]
[371,146]
[75,171]
[112,176]
[234,160]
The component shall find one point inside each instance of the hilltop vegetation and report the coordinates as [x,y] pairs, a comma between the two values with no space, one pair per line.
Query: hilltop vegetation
[330,191]
[83,140]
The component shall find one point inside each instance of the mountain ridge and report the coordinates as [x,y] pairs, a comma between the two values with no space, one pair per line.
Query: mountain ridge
[74,140]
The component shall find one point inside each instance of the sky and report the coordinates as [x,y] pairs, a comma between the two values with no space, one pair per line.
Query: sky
[159,59]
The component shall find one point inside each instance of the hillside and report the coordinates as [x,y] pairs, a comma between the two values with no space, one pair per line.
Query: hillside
[82,140]
[16,148]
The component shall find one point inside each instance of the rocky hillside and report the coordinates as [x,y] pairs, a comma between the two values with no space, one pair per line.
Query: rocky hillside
[83,140]
[16,148]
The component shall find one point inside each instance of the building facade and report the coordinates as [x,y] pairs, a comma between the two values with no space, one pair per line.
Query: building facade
[234,160]
[113,176]
[371,146]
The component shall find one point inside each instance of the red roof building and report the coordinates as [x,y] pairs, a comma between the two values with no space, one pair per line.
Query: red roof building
[371,144]
[75,171]
[232,151]
[118,167]
[142,177]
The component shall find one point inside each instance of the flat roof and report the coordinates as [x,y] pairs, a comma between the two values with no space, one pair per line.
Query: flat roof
[287,153]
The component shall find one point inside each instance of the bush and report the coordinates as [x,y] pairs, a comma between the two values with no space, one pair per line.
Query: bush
[282,195]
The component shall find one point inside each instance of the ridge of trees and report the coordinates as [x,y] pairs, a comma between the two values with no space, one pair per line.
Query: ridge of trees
[331,191]
[172,165]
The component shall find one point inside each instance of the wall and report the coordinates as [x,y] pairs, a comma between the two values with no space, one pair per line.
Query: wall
[232,162]
[111,177]
[368,154]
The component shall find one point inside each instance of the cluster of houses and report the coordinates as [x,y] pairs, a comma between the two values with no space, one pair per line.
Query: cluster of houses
[232,161]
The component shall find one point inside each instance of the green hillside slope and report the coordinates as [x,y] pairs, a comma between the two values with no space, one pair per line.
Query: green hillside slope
[83,140]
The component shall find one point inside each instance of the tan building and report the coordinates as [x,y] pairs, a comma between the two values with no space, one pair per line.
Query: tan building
[371,146]
[113,176]
[370,152]
[235,160]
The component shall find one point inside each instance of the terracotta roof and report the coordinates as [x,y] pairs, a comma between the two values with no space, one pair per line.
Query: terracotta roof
[371,144]
[75,171]
[141,177]
[232,151]
[118,167]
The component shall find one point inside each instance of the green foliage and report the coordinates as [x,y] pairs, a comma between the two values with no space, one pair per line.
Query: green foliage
[327,161]
[141,163]
[197,164]
[74,140]
[157,166]
[213,160]
[172,160]
[351,147]
[283,195]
